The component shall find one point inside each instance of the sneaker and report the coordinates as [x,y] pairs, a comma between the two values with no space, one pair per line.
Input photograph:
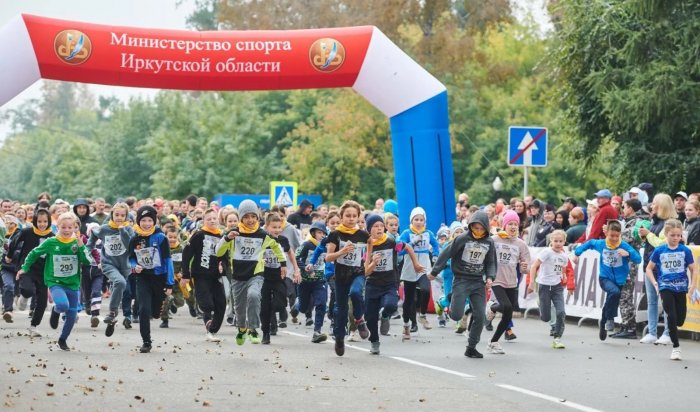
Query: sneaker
[127,323]
[676,354]
[229,320]
[384,326]
[23,303]
[354,337]
[33,332]
[173,308]
[414,327]
[362,328]
[53,320]
[94,322]
[490,314]
[406,334]
[625,334]
[62,344]
[265,339]
[164,324]
[557,344]
[510,335]
[663,340]
[7,316]
[211,337]
[495,348]
[193,312]
[461,325]
[135,319]
[309,322]
[111,317]
[282,324]
[424,322]
[319,337]
[31,313]
[603,332]
[473,353]
[273,329]
[489,326]
[610,325]
[146,347]
[111,321]
[442,323]
[339,347]
[374,350]
[294,312]
[253,336]
[240,336]
[648,338]
[439,310]
[396,316]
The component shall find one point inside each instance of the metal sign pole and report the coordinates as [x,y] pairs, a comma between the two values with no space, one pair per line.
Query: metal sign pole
[525,182]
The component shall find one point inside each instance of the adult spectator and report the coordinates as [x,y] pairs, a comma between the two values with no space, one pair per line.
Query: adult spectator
[322,209]
[528,200]
[561,220]
[45,196]
[202,203]
[577,227]
[536,212]
[605,213]
[692,222]
[6,206]
[100,214]
[302,217]
[545,228]
[132,203]
[521,210]
[591,212]
[568,204]
[379,207]
[616,203]
[462,201]
[679,200]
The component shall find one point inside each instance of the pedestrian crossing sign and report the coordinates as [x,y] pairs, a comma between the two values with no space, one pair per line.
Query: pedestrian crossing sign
[283,193]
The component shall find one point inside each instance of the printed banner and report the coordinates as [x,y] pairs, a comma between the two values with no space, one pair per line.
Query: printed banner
[692,319]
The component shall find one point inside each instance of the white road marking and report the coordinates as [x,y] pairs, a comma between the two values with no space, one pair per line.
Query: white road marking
[435,368]
[559,401]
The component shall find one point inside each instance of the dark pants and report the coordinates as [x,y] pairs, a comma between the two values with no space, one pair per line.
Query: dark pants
[273,298]
[675,307]
[33,286]
[507,300]
[612,299]
[352,289]
[129,295]
[314,293]
[150,290]
[409,298]
[211,299]
[376,298]
[91,290]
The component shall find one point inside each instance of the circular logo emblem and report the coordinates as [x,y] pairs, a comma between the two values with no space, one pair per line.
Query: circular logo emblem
[327,55]
[72,46]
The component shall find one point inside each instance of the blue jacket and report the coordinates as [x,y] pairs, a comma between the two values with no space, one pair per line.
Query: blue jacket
[329,270]
[612,266]
[420,243]
[158,255]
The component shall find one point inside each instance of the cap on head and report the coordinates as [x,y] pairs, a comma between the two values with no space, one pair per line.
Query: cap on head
[247,207]
[510,216]
[604,193]
[372,220]
[415,212]
[681,194]
[146,211]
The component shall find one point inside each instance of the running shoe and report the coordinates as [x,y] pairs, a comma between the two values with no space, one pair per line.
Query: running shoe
[362,328]
[253,336]
[62,344]
[53,320]
[374,349]
[384,326]
[496,349]
[33,332]
[557,344]
[473,353]
[240,336]
[319,337]
[676,354]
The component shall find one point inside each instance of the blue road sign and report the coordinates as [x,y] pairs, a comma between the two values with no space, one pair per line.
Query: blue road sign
[527,146]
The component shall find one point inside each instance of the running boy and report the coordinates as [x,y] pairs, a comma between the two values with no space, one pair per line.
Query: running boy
[313,289]
[613,272]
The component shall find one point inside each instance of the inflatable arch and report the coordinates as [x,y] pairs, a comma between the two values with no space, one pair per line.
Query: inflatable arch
[362,58]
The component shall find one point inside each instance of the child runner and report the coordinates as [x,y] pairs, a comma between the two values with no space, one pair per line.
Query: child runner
[274,290]
[380,268]
[180,293]
[231,222]
[553,261]
[313,289]
[64,255]
[9,267]
[613,272]
[332,222]
[246,245]
[91,280]
[200,262]
[421,240]
[674,260]
[346,245]
[473,257]
[149,256]
[512,254]
[115,237]
[31,283]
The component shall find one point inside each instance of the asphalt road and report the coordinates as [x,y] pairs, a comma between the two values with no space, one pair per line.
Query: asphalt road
[428,373]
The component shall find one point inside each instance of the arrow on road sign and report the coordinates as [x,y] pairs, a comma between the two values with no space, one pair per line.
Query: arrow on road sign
[525,148]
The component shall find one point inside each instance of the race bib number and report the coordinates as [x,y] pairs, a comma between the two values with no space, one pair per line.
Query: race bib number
[177,257]
[148,258]
[612,258]
[420,243]
[209,245]
[474,253]
[319,263]
[559,264]
[114,245]
[271,260]
[507,254]
[386,260]
[354,258]
[65,266]
[672,262]
[247,248]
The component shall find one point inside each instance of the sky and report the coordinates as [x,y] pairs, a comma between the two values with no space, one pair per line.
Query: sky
[161,14]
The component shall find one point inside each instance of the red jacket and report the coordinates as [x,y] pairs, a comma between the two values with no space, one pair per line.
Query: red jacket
[606,212]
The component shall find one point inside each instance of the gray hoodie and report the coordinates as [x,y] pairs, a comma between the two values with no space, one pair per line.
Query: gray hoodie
[470,257]
[115,244]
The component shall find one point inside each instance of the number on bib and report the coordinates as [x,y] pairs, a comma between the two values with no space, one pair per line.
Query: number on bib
[65,266]
[114,245]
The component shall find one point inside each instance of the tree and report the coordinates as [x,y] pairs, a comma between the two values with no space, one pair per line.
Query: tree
[630,79]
